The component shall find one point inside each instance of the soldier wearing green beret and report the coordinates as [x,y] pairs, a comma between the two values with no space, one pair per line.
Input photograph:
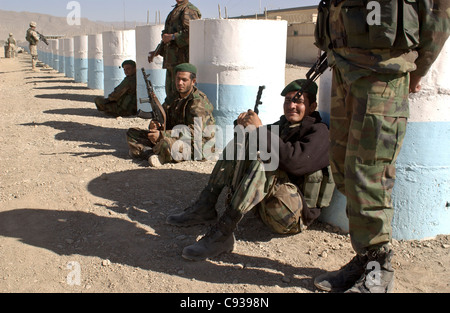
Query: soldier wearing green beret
[123,100]
[288,199]
[175,39]
[189,107]
[379,51]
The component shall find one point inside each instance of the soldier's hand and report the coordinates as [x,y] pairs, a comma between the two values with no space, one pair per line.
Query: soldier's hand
[414,84]
[166,38]
[154,125]
[249,118]
[154,136]
[151,56]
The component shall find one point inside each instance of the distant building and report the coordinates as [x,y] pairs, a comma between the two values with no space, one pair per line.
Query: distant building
[301,25]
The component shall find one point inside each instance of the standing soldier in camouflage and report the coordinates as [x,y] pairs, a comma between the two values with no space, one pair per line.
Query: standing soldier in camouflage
[11,45]
[123,100]
[189,108]
[33,38]
[175,40]
[288,199]
[379,51]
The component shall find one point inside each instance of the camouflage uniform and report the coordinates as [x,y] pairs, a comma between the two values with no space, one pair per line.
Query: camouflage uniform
[177,51]
[369,108]
[33,38]
[287,200]
[11,45]
[122,101]
[182,111]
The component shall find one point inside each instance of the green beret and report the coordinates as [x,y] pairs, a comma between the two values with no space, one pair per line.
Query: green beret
[186,67]
[297,85]
[129,62]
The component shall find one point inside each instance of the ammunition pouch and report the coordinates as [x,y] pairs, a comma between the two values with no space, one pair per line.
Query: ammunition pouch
[388,24]
[318,188]
[321,33]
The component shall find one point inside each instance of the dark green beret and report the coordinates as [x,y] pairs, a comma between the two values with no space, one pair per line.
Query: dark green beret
[297,85]
[186,67]
[129,62]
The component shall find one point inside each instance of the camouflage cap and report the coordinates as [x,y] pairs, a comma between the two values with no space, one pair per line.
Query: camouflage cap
[129,62]
[33,24]
[10,34]
[186,67]
[298,84]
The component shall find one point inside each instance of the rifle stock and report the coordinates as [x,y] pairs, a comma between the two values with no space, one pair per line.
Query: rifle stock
[313,74]
[156,52]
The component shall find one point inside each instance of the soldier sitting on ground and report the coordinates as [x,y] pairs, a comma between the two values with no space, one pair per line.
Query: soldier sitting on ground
[189,105]
[123,100]
[288,199]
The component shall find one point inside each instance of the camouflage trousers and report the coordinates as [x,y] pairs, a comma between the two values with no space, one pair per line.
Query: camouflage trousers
[140,146]
[124,107]
[367,128]
[277,200]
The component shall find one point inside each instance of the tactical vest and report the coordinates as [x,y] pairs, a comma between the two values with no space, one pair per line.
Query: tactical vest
[380,24]
[30,37]
[318,188]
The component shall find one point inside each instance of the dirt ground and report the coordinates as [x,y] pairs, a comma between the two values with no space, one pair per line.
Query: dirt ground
[77,215]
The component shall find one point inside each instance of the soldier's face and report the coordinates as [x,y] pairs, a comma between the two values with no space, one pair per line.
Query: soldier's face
[180,1]
[295,112]
[129,70]
[184,83]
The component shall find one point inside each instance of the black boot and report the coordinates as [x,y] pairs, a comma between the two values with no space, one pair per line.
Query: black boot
[220,238]
[203,211]
[379,274]
[344,278]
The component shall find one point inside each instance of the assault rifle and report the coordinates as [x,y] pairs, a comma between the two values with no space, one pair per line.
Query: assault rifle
[156,52]
[313,74]
[258,101]
[42,38]
[158,114]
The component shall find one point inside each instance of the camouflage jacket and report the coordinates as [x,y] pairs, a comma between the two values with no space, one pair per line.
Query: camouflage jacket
[402,36]
[177,23]
[125,95]
[32,37]
[184,111]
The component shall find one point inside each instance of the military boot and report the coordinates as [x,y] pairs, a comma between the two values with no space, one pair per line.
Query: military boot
[344,278]
[220,239]
[379,274]
[203,211]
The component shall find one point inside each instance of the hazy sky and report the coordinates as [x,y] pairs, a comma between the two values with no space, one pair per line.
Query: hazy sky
[136,10]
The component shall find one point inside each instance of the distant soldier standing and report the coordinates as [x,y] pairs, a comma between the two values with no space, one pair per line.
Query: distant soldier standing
[33,38]
[11,45]
[379,50]
[175,41]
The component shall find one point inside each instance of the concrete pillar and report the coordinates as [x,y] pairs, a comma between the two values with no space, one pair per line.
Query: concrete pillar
[421,195]
[55,56]
[69,59]
[61,57]
[147,39]
[118,46]
[80,44]
[95,62]
[234,58]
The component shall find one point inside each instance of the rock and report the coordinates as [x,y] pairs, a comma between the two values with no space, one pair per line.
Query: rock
[106,262]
